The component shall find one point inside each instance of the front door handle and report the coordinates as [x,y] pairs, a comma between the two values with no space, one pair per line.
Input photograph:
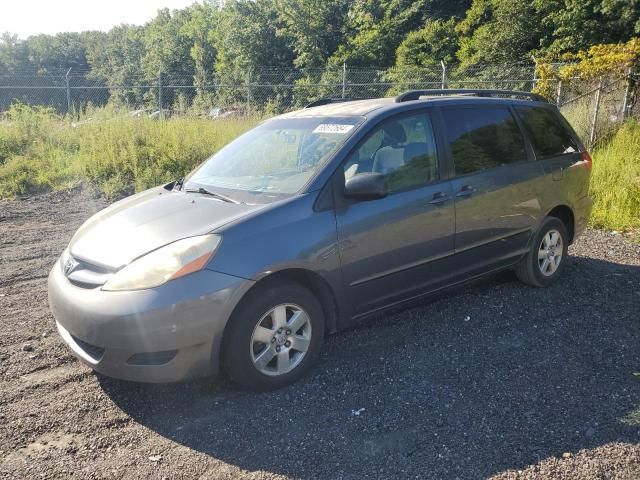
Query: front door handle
[465,191]
[439,198]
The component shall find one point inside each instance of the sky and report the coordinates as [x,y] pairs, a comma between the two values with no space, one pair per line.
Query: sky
[30,17]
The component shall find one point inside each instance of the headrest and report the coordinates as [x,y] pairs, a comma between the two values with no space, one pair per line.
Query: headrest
[393,134]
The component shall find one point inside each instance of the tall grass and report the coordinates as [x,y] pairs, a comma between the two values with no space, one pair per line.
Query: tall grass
[40,151]
[615,180]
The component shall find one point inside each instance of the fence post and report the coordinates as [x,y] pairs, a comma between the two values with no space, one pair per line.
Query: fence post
[444,75]
[627,90]
[249,92]
[344,78]
[66,79]
[559,93]
[160,93]
[596,109]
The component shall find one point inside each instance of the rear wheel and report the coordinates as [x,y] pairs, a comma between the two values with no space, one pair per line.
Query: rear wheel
[547,256]
[274,336]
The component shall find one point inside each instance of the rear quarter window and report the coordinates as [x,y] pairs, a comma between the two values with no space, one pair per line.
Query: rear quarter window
[549,136]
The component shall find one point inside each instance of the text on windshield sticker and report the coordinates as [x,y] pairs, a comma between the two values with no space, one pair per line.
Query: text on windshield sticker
[332,128]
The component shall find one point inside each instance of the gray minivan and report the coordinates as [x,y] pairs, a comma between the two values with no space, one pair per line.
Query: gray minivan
[313,220]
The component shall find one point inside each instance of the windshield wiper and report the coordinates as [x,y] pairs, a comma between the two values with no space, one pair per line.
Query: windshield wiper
[204,191]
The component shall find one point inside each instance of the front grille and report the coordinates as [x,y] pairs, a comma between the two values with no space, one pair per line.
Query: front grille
[87,275]
[93,351]
[152,358]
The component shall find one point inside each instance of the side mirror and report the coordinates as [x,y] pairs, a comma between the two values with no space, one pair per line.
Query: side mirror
[366,186]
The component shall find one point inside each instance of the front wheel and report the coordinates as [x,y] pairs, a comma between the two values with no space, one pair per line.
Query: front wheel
[547,256]
[274,336]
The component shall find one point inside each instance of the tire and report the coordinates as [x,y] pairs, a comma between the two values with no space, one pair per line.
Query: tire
[532,269]
[257,329]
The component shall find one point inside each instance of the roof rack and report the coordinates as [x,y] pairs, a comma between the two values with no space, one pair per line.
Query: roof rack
[326,101]
[416,94]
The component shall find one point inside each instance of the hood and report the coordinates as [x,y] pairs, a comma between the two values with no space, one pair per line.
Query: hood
[146,221]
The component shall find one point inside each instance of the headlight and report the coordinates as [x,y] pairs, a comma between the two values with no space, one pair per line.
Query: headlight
[166,263]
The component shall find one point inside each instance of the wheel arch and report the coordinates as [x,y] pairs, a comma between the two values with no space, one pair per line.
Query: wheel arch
[309,279]
[566,216]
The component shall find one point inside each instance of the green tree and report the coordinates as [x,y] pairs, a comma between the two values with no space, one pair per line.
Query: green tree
[578,24]
[246,40]
[418,56]
[14,54]
[246,37]
[167,44]
[116,59]
[377,27]
[426,47]
[314,27]
[199,29]
[52,53]
[499,31]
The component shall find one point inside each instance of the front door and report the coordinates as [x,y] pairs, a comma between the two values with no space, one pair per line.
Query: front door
[389,247]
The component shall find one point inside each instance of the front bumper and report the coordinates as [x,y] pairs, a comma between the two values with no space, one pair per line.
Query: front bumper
[165,334]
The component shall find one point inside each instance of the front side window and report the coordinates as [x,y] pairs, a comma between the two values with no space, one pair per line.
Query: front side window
[549,136]
[277,157]
[482,138]
[402,148]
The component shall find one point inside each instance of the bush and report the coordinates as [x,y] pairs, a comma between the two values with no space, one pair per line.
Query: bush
[40,151]
[615,180]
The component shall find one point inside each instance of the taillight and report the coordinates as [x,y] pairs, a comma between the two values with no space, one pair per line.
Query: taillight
[586,158]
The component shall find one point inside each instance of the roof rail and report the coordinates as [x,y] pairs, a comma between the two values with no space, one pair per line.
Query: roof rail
[416,94]
[326,101]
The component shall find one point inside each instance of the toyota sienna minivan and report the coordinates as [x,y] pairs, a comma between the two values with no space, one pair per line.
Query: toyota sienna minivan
[313,220]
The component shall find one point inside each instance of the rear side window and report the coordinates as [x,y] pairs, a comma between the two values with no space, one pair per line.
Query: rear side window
[549,136]
[483,138]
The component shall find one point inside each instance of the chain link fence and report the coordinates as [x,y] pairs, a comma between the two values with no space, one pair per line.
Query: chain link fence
[592,108]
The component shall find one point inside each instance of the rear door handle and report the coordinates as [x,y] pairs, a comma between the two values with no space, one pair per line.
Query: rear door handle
[465,191]
[439,198]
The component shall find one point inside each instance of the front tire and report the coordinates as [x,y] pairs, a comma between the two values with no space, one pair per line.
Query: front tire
[274,336]
[547,256]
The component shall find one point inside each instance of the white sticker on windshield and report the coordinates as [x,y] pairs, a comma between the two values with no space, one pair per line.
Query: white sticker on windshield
[333,128]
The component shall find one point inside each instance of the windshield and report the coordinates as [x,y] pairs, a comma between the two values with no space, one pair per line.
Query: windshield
[277,157]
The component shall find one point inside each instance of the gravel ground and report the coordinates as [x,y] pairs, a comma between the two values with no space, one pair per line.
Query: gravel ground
[493,379]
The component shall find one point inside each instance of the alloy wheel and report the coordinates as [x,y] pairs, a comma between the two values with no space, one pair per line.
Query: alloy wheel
[550,253]
[280,339]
